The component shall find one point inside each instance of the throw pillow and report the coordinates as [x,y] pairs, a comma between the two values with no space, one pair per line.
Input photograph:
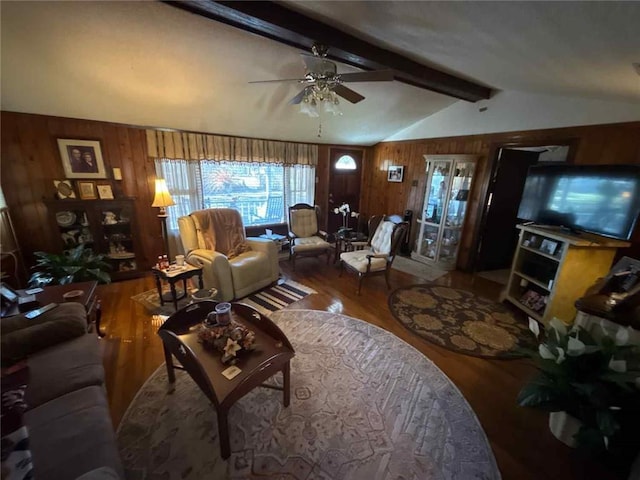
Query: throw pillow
[16,456]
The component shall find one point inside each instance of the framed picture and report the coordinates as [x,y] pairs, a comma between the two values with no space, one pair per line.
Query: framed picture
[87,190]
[105,192]
[548,246]
[395,174]
[81,158]
[64,189]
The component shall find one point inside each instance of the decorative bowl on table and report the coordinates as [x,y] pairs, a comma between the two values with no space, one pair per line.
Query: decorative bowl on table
[72,295]
[230,339]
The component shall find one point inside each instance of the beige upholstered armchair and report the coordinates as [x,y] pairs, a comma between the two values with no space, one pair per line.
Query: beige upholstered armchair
[305,237]
[232,263]
[385,237]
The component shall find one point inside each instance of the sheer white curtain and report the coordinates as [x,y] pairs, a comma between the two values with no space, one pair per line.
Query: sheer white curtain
[195,185]
[184,184]
[300,185]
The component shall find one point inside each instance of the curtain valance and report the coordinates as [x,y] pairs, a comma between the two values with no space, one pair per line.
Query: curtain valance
[198,146]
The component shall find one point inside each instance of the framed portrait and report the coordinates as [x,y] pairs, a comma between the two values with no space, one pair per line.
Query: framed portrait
[395,174]
[548,246]
[105,192]
[64,189]
[87,190]
[81,158]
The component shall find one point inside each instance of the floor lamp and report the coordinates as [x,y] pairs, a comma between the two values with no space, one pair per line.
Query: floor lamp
[163,200]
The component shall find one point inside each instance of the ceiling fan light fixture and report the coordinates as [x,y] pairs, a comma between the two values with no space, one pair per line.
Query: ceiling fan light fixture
[308,106]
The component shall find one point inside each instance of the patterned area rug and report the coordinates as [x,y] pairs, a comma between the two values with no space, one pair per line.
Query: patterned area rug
[364,405]
[265,301]
[460,321]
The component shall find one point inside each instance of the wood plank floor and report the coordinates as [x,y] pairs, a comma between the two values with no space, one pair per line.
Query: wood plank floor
[520,437]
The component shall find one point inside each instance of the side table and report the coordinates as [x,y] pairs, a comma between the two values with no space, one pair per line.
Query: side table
[91,302]
[174,274]
[346,242]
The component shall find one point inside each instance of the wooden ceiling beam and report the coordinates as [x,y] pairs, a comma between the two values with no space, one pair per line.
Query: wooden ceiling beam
[274,21]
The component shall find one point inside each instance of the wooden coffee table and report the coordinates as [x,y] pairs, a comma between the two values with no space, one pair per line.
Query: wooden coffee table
[272,355]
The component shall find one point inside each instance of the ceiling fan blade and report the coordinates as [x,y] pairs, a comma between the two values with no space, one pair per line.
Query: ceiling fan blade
[348,94]
[298,98]
[374,76]
[318,64]
[281,80]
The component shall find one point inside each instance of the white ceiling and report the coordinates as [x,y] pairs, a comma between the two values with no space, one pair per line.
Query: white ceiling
[149,64]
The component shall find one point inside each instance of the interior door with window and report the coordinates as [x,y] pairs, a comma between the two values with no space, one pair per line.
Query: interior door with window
[344,186]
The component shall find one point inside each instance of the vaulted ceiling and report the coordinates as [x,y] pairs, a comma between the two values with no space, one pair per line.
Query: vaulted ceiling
[150,64]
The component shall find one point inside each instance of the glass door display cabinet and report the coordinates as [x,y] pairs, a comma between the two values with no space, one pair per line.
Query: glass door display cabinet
[441,221]
[105,226]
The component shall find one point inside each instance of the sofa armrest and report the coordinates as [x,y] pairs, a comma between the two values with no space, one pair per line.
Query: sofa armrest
[270,249]
[24,337]
[216,271]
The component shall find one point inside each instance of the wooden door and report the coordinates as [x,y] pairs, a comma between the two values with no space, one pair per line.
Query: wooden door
[345,170]
[498,235]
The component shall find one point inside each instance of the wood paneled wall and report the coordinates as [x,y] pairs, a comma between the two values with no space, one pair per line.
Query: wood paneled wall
[31,161]
[598,144]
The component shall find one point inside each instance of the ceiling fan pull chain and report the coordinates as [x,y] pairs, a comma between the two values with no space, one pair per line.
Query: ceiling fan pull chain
[320,129]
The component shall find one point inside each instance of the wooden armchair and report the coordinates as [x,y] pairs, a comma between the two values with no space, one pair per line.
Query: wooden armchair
[305,237]
[385,237]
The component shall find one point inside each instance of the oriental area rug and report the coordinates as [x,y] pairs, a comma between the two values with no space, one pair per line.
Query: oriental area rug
[364,405]
[460,321]
[265,301]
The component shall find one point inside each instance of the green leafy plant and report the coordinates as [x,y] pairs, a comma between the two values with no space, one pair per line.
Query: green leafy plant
[595,378]
[75,265]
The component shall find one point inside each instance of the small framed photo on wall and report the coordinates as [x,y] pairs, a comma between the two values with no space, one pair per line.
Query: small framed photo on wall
[105,192]
[81,158]
[395,174]
[87,190]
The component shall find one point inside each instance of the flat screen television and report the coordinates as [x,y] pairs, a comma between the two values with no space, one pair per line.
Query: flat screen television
[602,199]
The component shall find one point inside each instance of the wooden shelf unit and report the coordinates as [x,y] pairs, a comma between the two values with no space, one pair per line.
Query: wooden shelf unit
[558,267]
[91,228]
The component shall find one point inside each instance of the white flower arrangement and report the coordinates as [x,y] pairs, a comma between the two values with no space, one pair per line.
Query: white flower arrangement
[346,212]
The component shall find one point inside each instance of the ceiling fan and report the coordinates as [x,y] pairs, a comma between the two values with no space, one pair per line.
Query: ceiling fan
[323,84]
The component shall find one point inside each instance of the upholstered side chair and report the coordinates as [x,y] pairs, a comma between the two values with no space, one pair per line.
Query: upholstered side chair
[232,263]
[385,237]
[305,238]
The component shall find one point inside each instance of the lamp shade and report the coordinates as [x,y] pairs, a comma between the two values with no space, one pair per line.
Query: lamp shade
[162,198]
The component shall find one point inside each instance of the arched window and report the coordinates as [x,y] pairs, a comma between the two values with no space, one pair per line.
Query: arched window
[346,162]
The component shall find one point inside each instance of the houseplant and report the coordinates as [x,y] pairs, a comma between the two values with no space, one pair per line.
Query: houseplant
[592,377]
[75,265]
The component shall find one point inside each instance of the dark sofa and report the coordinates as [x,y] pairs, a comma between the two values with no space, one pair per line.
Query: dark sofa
[67,417]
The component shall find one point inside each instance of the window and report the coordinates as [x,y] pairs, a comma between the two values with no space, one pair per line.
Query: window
[256,190]
[346,162]
[261,192]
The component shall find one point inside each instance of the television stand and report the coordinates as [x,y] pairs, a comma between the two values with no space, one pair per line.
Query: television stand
[551,269]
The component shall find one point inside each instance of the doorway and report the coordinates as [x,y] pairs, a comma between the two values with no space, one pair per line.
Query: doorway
[498,235]
[345,171]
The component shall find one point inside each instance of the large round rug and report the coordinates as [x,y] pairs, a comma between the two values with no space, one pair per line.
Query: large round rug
[460,321]
[364,405]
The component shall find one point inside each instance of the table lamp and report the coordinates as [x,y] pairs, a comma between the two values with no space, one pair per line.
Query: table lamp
[163,200]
